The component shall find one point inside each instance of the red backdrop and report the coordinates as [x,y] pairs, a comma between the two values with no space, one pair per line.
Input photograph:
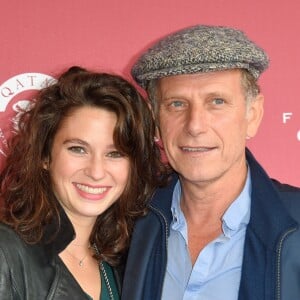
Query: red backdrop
[40,38]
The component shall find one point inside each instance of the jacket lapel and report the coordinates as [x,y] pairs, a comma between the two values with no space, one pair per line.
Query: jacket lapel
[268,223]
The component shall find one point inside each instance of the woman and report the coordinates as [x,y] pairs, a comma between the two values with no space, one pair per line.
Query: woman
[78,173]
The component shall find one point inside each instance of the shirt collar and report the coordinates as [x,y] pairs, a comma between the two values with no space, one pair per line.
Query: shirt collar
[235,217]
[58,233]
[178,217]
[237,214]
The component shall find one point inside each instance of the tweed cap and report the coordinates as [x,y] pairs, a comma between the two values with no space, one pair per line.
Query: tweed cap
[200,48]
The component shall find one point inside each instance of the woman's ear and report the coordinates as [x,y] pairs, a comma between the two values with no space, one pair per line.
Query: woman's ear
[46,164]
[255,114]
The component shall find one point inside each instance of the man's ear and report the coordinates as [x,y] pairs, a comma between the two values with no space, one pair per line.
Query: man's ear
[157,134]
[155,119]
[255,114]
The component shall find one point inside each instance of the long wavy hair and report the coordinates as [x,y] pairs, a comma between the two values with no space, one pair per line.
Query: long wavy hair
[25,186]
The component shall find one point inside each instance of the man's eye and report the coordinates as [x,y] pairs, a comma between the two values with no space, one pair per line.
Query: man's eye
[176,103]
[77,149]
[115,154]
[218,101]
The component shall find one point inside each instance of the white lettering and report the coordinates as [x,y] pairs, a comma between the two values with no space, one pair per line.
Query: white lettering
[286,116]
[6,92]
[20,83]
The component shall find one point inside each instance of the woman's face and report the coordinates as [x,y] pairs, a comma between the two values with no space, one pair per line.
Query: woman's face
[88,174]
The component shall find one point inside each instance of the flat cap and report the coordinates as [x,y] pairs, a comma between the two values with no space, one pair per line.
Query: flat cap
[200,48]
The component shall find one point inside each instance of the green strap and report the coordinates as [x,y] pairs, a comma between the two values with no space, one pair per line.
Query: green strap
[112,282]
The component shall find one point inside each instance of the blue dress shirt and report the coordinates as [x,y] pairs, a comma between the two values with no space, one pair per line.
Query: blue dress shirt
[217,271]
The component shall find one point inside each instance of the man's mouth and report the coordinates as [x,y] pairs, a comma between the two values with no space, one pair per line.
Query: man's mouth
[196,149]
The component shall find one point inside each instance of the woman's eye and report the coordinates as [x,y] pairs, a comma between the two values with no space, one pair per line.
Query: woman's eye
[115,154]
[77,149]
[218,101]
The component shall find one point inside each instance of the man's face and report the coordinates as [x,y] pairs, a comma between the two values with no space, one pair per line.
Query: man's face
[204,123]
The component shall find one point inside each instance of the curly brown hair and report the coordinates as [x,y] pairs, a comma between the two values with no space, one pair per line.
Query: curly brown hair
[25,185]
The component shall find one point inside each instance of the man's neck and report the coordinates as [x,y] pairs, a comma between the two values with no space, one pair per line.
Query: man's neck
[204,205]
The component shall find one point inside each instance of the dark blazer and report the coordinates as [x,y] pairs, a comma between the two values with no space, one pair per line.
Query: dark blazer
[271,264]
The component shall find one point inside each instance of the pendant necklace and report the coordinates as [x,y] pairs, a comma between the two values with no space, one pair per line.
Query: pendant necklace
[81,261]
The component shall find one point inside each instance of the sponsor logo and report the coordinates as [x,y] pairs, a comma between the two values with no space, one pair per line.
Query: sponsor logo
[286,118]
[16,95]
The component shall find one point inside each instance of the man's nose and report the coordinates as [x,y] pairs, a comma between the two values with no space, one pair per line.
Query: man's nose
[196,120]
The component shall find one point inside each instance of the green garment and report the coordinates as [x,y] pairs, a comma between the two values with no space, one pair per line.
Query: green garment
[112,282]
[104,289]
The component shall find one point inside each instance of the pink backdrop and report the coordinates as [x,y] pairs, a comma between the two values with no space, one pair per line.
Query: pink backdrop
[40,38]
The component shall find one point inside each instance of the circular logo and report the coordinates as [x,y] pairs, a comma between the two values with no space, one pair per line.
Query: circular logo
[16,95]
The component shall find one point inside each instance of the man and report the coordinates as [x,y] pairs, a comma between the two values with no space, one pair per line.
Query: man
[222,229]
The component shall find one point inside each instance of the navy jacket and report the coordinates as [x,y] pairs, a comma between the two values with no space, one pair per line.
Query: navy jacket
[271,263]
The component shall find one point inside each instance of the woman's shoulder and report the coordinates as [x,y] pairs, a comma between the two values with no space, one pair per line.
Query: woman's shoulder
[9,239]
[6,229]
[14,250]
